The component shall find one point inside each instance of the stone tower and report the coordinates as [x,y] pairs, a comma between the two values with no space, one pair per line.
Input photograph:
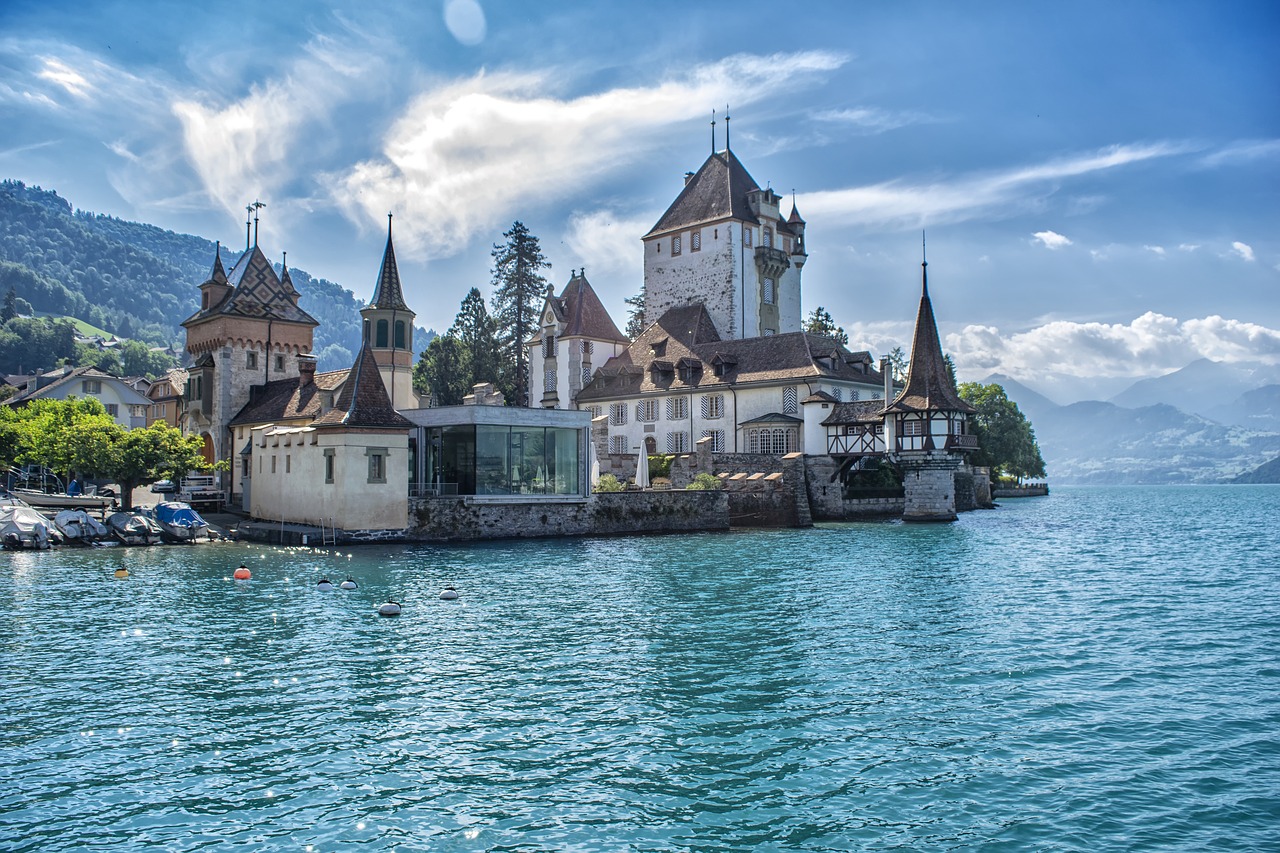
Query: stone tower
[388,326]
[723,243]
[249,330]
[926,426]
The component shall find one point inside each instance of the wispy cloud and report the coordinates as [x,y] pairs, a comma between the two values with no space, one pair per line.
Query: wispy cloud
[466,155]
[1242,152]
[1052,239]
[58,72]
[870,120]
[1243,250]
[1155,250]
[1150,345]
[902,203]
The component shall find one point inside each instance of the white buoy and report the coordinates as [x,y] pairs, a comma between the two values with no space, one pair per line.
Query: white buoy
[325,585]
[448,594]
[391,608]
[347,584]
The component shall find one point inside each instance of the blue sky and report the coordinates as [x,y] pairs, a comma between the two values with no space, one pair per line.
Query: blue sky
[1099,181]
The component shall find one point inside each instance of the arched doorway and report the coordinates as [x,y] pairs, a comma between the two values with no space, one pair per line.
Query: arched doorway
[650,445]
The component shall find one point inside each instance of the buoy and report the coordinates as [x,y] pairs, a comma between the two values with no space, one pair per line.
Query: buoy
[242,573]
[325,585]
[347,584]
[122,573]
[391,608]
[448,594]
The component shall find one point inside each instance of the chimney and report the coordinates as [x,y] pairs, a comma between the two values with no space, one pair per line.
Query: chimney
[306,370]
[887,371]
[688,176]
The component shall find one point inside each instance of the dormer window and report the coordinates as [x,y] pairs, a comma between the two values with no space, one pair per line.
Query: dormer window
[658,347]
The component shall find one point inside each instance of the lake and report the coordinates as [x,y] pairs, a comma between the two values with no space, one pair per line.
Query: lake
[1097,669]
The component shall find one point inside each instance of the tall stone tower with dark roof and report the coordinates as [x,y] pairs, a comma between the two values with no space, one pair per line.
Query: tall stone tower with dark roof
[926,426]
[724,243]
[388,327]
[249,330]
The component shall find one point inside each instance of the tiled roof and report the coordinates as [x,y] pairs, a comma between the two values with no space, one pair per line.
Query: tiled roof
[218,275]
[34,389]
[718,190]
[861,412]
[363,401]
[686,336]
[258,292]
[388,294]
[283,399]
[582,313]
[929,386]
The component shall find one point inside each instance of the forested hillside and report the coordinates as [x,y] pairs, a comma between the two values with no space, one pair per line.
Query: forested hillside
[137,280]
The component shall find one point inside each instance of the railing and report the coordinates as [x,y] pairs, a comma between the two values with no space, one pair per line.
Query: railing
[853,444]
[434,490]
[962,442]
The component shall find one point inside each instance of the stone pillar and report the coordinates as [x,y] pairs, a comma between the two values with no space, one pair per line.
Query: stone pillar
[600,441]
[702,455]
[928,480]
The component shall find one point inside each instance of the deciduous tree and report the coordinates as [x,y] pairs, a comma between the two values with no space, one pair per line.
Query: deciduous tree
[1006,441]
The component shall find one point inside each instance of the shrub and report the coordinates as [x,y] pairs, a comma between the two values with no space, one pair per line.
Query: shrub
[705,482]
[608,483]
[660,466]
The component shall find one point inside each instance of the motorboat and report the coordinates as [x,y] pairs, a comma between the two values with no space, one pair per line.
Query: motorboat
[56,500]
[79,528]
[24,528]
[134,528]
[179,522]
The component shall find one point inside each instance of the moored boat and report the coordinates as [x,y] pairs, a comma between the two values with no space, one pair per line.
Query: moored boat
[179,522]
[24,528]
[79,528]
[134,528]
[54,500]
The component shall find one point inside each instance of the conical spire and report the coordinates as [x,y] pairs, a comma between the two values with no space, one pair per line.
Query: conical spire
[929,386]
[363,401]
[388,294]
[219,275]
[795,214]
[285,279]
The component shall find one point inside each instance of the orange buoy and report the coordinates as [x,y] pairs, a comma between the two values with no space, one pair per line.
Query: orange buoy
[242,573]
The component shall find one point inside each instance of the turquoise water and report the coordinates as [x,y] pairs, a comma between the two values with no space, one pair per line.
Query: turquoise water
[1093,670]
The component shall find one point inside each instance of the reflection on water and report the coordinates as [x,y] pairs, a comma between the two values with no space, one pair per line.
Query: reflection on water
[1091,670]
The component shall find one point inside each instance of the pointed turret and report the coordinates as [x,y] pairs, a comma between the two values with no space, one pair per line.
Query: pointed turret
[286,280]
[363,401]
[219,275]
[929,386]
[388,326]
[216,288]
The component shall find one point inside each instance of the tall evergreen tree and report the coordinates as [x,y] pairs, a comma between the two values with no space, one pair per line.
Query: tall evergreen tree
[441,373]
[635,321]
[477,332]
[518,289]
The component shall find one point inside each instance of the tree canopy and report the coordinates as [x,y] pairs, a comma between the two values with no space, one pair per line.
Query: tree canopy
[1006,441]
[819,322]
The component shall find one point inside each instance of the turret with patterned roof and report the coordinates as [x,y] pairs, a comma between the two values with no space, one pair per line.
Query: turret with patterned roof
[723,242]
[388,326]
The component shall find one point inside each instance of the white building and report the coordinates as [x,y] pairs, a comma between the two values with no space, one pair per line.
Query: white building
[723,242]
[575,336]
[122,402]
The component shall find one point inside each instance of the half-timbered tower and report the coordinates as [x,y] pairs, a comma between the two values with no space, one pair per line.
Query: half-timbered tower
[926,429]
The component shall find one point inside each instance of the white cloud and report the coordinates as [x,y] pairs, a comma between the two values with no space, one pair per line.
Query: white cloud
[901,204]
[466,155]
[1150,345]
[1244,151]
[1188,247]
[872,120]
[58,72]
[1155,250]
[1244,250]
[1052,239]
[604,241]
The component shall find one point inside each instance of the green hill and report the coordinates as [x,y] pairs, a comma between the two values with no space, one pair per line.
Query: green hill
[137,280]
[1268,472]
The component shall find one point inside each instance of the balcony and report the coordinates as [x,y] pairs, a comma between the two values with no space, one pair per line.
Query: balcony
[962,443]
[771,263]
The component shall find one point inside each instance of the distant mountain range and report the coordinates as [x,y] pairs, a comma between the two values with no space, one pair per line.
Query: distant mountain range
[137,280]
[1209,422]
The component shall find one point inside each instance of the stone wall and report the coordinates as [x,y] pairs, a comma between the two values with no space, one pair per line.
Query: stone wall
[663,511]
[827,501]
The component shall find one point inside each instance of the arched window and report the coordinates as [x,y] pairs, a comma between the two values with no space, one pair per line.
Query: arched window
[381,339]
[400,342]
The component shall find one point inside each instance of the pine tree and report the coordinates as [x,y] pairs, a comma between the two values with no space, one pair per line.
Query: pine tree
[635,322]
[821,323]
[10,306]
[477,332]
[518,289]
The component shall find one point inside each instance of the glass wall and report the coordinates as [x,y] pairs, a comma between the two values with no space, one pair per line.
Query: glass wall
[501,460]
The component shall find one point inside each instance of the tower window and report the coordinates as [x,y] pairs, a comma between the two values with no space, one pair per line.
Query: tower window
[549,345]
[675,245]
[695,241]
[768,291]
[768,238]
[251,360]
[746,237]
[381,337]
[400,341]
[279,364]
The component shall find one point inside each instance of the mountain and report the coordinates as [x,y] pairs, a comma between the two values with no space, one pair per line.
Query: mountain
[1101,442]
[1204,387]
[140,281]
[1268,472]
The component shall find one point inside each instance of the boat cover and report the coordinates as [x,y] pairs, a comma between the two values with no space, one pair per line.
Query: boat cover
[179,514]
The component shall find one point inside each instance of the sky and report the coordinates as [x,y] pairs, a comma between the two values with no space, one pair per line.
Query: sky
[1099,181]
